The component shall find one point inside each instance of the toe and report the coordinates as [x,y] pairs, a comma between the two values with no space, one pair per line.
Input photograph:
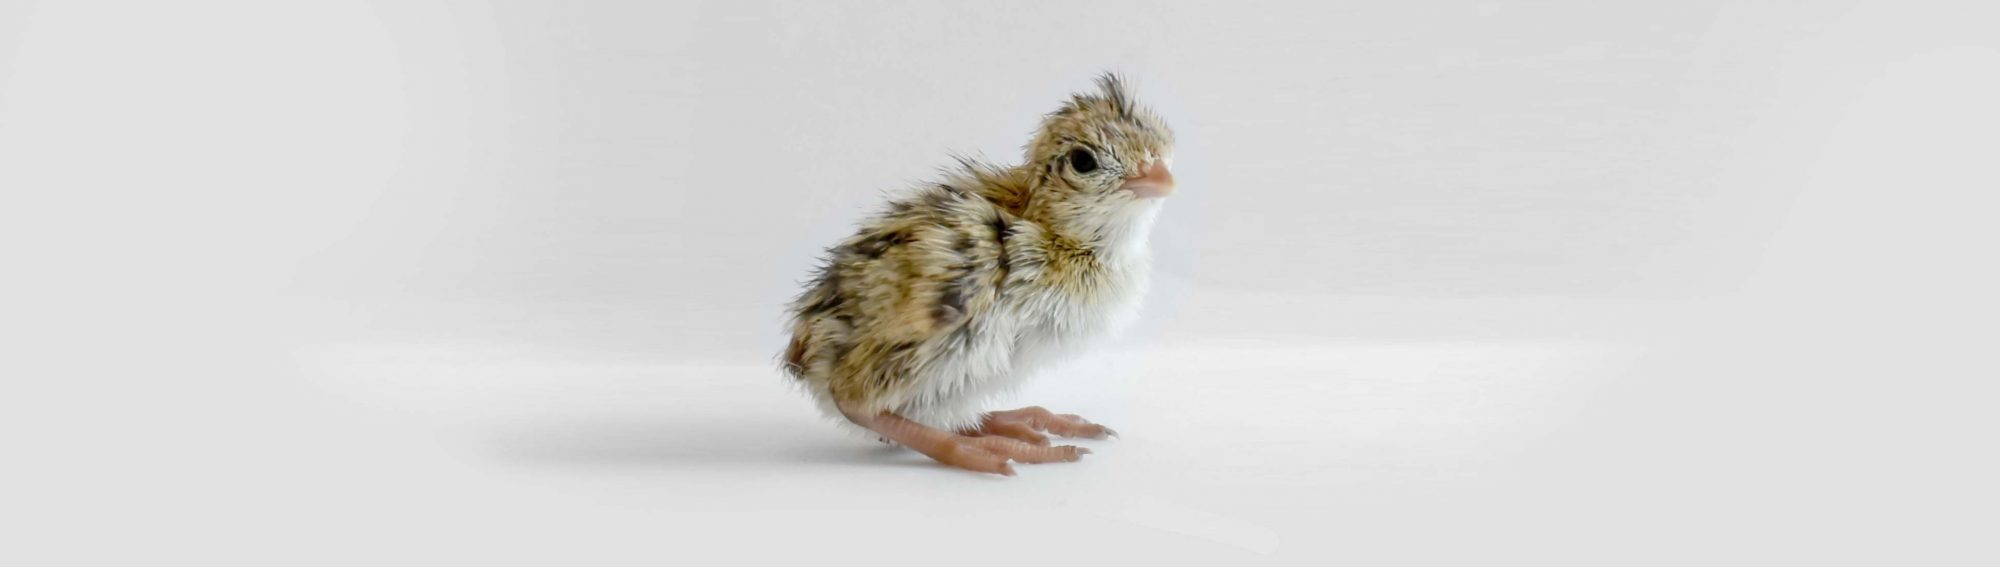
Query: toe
[1071,425]
[1038,419]
[1017,430]
[1031,454]
[969,455]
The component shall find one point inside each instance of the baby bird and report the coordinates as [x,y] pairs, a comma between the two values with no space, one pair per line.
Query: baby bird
[962,288]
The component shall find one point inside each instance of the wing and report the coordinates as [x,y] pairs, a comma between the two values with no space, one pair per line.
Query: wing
[903,290]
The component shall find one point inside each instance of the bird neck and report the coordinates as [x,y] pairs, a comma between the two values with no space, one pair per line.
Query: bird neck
[1116,232]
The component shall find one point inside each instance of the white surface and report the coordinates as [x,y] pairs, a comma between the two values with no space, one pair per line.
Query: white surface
[1462,283]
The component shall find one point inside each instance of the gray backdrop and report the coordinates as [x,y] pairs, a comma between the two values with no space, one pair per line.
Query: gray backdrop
[1571,282]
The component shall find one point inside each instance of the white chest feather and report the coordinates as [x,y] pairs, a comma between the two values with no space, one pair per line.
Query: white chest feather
[1029,331]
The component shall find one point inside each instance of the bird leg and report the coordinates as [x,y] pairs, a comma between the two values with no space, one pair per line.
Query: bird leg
[981,454]
[1027,424]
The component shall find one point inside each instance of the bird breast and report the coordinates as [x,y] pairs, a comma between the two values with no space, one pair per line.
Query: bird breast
[1030,329]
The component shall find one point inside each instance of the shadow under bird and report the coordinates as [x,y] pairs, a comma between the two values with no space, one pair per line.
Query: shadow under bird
[960,289]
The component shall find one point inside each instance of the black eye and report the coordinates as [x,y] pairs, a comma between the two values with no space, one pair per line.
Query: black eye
[1082,161]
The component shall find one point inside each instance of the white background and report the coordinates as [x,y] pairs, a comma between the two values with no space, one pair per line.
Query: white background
[1470,282]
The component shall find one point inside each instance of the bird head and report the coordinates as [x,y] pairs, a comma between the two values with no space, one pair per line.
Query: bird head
[1102,154]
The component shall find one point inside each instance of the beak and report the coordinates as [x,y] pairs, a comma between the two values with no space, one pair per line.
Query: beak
[1154,180]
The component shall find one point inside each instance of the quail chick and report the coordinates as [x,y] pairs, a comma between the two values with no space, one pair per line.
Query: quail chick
[960,289]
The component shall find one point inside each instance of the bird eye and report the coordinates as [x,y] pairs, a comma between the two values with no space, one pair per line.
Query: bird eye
[1081,161]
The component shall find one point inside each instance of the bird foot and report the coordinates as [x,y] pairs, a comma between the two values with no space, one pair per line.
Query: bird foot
[981,453]
[991,454]
[1028,425]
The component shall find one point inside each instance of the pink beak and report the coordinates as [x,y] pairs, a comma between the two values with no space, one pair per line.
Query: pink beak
[1154,180]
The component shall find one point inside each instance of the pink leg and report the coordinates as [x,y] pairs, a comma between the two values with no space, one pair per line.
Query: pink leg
[982,454]
[1027,424]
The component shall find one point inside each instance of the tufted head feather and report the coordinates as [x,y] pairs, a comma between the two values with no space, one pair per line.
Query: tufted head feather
[1100,140]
